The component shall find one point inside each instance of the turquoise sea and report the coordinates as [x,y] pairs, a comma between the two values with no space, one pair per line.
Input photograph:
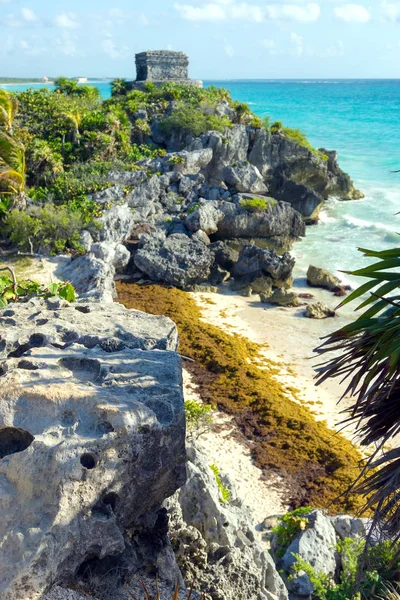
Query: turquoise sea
[361,120]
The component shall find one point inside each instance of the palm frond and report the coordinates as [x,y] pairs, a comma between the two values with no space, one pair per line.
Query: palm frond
[367,358]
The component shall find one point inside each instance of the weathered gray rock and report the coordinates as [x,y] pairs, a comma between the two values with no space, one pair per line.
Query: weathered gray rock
[319,310]
[244,177]
[176,260]
[318,277]
[228,148]
[116,224]
[126,178]
[112,194]
[86,240]
[282,297]
[206,217]
[315,545]
[91,440]
[259,262]
[350,527]
[91,277]
[215,543]
[144,199]
[225,256]
[279,221]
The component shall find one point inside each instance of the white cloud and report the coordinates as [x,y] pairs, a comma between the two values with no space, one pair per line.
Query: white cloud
[209,12]
[298,43]
[28,15]
[391,12]
[352,13]
[31,49]
[111,50]
[333,51]
[231,10]
[67,21]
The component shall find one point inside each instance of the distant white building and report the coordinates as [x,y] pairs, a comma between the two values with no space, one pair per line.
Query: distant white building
[45,80]
[82,80]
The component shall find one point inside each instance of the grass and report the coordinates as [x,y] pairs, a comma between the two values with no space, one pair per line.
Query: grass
[257,204]
[319,464]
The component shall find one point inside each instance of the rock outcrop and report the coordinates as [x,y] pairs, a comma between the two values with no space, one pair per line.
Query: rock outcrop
[92,441]
[318,277]
[319,310]
[215,543]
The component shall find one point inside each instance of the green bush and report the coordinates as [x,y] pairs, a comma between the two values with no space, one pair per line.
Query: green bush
[257,204]
[366,572]
[198,417]
[12,290]
[289,526]
[187,120]
[44,229]
[225,495]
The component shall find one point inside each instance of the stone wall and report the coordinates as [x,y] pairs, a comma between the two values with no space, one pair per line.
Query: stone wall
[161,65]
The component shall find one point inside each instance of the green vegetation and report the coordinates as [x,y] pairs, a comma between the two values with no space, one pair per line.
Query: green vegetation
[231,374]
[297,136]
[257,204]
[289,526]
[225,495]
[198,417]
[45,229]
[187,120]
[366,573]
[12,290]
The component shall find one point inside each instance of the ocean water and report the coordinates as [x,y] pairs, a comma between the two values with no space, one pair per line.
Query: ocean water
[360,119]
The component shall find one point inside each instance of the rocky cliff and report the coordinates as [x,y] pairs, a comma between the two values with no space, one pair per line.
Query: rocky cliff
[92,441]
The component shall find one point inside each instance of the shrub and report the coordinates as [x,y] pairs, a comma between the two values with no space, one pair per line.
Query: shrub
[198,417]
[300,138]
[12,290]
[45,229]
[257,204]
[225,494]
[187,120]
[366,572]
[290,525]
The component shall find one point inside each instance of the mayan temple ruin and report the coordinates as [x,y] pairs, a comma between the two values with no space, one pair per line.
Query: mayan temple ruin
[160,66]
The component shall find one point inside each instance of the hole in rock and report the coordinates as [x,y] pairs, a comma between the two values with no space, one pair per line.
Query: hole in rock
[88,460]
[13,440]
[83,309]
[101,512]
[68,418]
[104,427]
[27,365]
[111,499]
[109,565]
[37,340]
[84,369]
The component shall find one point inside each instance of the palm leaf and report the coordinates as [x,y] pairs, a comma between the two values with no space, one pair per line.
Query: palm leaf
[367,358]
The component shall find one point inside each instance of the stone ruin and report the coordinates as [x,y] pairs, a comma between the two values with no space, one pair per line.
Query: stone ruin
[161,66]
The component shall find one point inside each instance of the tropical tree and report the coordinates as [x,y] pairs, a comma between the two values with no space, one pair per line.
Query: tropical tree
[69,87]
[119,87]
[242,111]
[12,168]
[8,110]
[43,162]
[74,117]
[367,356]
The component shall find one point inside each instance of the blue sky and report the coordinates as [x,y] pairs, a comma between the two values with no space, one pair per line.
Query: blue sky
[224,38]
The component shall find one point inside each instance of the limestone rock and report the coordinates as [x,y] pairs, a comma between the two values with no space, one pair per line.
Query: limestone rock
[244,177]
[215,543]
[92,439]
[318,277]
[350,527]
[283,298]
[176,260]
[109,195]
[259,262]
[319,310]
[206,217]
[315,545]
[86,240]
[279,221]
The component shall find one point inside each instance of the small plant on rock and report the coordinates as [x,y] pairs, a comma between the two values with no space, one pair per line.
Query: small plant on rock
[290,525]
[257,204]
[198,417]
[225,495]
[177,160]
[12,290]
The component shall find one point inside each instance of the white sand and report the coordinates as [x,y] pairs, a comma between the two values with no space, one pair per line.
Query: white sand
[288,339]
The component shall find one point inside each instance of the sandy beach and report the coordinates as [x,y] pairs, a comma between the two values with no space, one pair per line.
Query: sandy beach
[288,340]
